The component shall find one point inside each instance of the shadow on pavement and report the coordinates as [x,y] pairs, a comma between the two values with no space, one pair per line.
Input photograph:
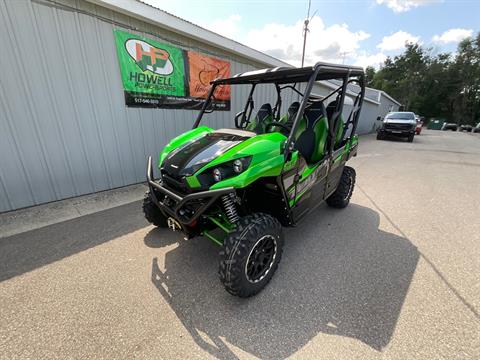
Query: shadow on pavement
[27,251]
[399,138]
[339,275]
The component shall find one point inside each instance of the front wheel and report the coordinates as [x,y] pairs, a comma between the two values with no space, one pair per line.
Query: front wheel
[410,137]
[152,212]
[251,254]
[341,197]
[379,136]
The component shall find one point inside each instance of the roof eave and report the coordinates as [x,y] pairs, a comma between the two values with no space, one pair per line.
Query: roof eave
[157,17]
[390,98]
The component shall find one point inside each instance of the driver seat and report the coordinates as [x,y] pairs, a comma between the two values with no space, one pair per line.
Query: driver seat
[261,120]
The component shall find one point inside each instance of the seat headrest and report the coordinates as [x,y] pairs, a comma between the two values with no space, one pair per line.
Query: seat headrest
[331,107]
[332,104]
[316,105]
[293,108]
[315,111]
[330,110]
[265,108]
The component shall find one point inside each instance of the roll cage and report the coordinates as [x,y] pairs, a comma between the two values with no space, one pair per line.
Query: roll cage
[287,76]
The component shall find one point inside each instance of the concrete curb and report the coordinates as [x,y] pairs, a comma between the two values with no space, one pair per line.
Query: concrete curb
[19,221]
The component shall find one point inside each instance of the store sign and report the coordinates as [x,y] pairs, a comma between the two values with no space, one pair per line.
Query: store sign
[164,76]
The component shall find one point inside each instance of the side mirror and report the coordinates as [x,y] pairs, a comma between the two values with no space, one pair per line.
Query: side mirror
[237,116]
[379,118]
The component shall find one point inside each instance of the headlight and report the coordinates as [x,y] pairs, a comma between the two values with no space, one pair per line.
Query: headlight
[224,171]
[238,166]
[217,174]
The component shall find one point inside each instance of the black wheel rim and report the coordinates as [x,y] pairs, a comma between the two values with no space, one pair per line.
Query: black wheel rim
[350,188]
[261,258]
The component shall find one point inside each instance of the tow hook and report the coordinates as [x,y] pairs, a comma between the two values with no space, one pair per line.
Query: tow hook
[173,224]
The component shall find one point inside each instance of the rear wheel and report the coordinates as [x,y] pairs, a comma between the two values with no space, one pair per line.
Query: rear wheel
[341,197]
[251,254]
[152,212]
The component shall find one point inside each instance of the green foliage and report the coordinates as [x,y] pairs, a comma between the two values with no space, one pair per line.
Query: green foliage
[369,75]
[441,85]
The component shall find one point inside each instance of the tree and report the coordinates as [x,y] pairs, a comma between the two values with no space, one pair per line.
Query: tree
[467,66]
[369,75]
[440,85]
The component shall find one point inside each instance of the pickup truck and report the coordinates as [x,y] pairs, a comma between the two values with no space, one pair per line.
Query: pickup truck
[400,124]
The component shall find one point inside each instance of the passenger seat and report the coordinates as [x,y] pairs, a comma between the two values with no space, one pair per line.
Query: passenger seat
[312,140]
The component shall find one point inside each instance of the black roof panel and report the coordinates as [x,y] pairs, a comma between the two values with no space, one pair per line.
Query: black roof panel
[288,75]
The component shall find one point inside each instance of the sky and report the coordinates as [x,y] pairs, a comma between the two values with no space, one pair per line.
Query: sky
[355,32]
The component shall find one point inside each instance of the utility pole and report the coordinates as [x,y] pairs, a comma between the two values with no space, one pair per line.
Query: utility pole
[305,30]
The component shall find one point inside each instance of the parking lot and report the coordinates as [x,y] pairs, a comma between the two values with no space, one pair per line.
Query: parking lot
[393,276]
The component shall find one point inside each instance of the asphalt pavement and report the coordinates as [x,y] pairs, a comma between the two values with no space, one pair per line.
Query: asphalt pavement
[396,275]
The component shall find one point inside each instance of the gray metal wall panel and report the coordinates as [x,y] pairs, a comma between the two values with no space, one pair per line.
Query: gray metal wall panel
[22,119]
[64,127]
[368,117]
[65,130]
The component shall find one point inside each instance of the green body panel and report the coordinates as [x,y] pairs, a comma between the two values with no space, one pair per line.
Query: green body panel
[267,160]
[265,150]
[292,162]
[193,181]
[307,171]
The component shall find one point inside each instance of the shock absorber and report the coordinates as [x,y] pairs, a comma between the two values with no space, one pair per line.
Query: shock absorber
[228,202]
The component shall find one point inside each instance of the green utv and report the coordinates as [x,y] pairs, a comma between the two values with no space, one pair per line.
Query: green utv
[239,186]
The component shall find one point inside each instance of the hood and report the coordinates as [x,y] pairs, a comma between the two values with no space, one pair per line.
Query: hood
[399,121]
[188,158]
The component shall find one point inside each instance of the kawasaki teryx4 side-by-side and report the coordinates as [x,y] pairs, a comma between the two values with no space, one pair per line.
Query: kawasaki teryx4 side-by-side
[239,186]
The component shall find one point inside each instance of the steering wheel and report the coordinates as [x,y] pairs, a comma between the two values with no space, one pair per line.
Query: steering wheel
[276,123]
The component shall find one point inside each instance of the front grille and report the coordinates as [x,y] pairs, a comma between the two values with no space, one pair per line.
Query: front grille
[398,126]
[177,185]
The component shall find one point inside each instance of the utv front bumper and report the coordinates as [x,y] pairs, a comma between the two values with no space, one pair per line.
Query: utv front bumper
[185,209]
